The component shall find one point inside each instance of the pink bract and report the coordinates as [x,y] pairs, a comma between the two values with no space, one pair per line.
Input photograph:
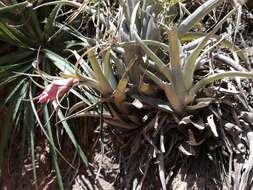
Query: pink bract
[56,89]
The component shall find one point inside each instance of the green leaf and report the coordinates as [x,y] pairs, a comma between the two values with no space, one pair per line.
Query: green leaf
[159,63]
[103,82]
[14,57]
[10,76]
[225,43]
[50,23]
[88,100]
[156,44]
[60,62]
[190,64]
[8,71]
[52,148]
[133,27]
[13,12]
[12,94]
[210,79]
[29,123]
[71,135]
[120,91]
[42,127]
[35,24]
[7,33]
[168,90]
[7,126]
[77,34]
[152,32]
[5,135]
[20,97]
[4,69]
[176,71]
[85,66]
[33,158]
[161,67]
[197,15]
[107,69]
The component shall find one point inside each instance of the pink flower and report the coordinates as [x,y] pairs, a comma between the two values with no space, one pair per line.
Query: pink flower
[56,89]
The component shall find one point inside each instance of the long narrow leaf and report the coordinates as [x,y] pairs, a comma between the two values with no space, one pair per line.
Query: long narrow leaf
[176,71]
[103,82]
[33,158]
[161,67]
[53,151]
[107,69]
[29,123]
[35,23]
[85,66]
[169,91]
[50,24]
[225,43]
[197,15]
[8,33]
[14,57]
[10,12]
[190,65]
[60,62]
[42,127]
[210,79]
[71,135]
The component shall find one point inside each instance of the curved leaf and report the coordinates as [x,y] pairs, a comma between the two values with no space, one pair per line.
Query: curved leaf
[197,15]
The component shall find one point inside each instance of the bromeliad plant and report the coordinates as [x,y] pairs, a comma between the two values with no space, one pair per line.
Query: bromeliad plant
[145,77]
[142,73]
[179,86]
[154,87]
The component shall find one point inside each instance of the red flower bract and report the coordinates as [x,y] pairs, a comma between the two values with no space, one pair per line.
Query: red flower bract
[56,89]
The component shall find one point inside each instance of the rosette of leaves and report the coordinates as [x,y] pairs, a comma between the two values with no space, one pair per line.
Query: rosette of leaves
[34,33]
